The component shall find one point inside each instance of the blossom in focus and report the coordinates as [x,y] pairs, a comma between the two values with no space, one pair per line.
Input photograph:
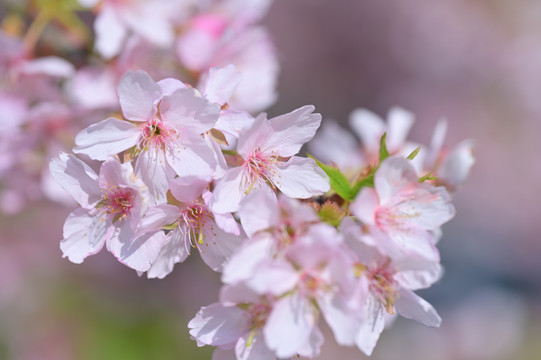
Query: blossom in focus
[192,224]
[166,142]
[267,149]
[112,204]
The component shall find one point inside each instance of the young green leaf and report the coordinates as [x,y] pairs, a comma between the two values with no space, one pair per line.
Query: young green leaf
[339,183]
[414,153]
[383,152]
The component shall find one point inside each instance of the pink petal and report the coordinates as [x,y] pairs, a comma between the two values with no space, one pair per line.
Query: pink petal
[188,188]
[342,320]
[156,217]
[257,350]
[137,94]
[292,131]
[233,122]
[139,252]
[169,86]
[110,32]
[152,168]
[185,109]
[400,122]
[289,325]
[108,137]
[372,326]
[174,251]
[368,126]
[220,84]
[228,192]
[413,307]
[218,325]
[77,178]
[365,205]
[192,158]
[457,165]
[84,235]
[394,173]
[273,276]
[301,178]
[218,247]
[245,260]
[259,211]
[312,348]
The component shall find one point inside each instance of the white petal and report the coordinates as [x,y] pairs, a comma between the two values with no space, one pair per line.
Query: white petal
[152,168]
[257,350]
[273,276]
[191,158]
[368,126]
[244,261]
[259,211]
[413,307]
[84,235]
[137,94]
[292,131]
[110,32]
[186,109]
[77,178]
[228,192]
[157,217]
[218,325]
[400,122]
[220,83]
[301,178]
[174,251]
[289,325]
[108,137]
[139,252]
[342,321]
[394,173]
[372,326]
[218,247]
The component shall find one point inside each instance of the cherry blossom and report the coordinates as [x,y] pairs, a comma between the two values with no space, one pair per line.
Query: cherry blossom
[400,212]
[112,204]
[167,141]
[264,148]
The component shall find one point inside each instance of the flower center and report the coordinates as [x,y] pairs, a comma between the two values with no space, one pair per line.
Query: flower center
[383,285]
[258,168]
[154,133]
[117,201]
[258,315]
[199,225]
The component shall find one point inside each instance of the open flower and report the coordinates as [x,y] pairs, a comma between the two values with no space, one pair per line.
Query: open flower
[400,212]
[112,204]
[167,141]
[267,149]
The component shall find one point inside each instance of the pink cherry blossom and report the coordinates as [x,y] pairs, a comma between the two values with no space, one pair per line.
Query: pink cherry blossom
[264,148]
[386,284]
[192,224]
[167,141]
[401,213]
[112,204]
[236,324]
[452,166]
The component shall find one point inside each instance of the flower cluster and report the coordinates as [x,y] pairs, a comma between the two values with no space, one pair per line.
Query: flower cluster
[58,74]
[297,241]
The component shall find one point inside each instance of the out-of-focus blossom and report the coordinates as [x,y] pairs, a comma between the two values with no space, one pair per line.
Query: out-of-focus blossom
[400,212]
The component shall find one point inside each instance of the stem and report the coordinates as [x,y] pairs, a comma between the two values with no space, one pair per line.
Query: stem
[35,30]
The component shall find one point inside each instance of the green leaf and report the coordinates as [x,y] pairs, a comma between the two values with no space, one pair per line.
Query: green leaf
[414,153]
[339,183]
[366,181]
[427,177]
[383,152]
